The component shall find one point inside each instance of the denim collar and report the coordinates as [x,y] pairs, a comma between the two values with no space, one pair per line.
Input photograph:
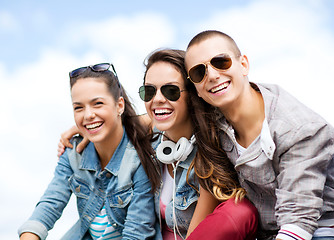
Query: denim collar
[91,161]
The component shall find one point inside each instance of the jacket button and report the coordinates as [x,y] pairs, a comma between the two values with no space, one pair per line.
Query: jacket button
[114,225]
[108,175]
[77,189]
[120,201]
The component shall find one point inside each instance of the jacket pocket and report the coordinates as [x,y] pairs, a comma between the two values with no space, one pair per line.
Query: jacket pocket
[184,197]
[121,198]
[259,171]
[79,187]
[81,190]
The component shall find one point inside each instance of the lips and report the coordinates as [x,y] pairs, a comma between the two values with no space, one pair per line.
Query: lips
[220,87]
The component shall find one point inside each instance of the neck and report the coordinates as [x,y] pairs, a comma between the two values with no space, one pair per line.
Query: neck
[246,116]
[185,130]
[107,148]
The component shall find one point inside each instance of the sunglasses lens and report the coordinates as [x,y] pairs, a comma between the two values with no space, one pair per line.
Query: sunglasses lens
[197,73]
[77,72]
[101,67]
[171,92]
[146,93]
[222,62]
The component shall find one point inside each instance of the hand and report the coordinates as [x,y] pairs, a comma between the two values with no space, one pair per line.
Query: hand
[65,141]
[29,236]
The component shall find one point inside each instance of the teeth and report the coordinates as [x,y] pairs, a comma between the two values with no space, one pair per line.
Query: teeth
[94,125]
[162,111]
[220,87]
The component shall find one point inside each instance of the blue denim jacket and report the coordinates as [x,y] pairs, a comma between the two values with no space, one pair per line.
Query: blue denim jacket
[122,187]
[185,196]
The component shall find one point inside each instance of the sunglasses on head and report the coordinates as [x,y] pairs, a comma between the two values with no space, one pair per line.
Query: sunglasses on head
[197,73]
[170,91]
[101,67]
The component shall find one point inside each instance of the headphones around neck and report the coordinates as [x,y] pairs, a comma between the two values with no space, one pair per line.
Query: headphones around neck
[169,152]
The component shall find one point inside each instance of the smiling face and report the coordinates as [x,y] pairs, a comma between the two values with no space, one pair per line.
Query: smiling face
[220,88]
[96,113]
[166,115]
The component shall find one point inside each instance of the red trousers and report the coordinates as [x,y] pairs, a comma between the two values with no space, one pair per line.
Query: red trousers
[229,221]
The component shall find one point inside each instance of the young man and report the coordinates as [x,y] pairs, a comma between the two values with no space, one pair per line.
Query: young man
[282,151]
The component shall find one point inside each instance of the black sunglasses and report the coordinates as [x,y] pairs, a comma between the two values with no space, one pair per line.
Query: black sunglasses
[101,67]
[197,73]
[170,91]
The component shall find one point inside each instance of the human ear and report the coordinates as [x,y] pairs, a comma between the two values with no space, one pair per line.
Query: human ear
[120,106]
[245,65]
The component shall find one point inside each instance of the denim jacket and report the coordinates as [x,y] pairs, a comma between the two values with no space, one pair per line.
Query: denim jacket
[123,187]
[185,196]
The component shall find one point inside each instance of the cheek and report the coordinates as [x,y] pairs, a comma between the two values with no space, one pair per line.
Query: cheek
[199,89]
[148,108]
[77,119]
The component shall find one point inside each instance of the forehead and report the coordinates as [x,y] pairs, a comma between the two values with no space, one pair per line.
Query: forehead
[161,73]
[87,88]
[203,51]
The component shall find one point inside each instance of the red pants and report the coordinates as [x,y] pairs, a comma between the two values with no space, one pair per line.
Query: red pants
[229,221]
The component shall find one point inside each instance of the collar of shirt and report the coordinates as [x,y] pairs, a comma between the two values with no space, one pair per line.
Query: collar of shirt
[267,143]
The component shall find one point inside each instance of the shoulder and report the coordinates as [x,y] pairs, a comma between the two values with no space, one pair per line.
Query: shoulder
[283,108]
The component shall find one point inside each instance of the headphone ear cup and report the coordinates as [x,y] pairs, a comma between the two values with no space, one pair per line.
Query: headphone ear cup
[183,148]
[165,152]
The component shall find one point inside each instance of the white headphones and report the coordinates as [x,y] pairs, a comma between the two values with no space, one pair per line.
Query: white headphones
[169,152]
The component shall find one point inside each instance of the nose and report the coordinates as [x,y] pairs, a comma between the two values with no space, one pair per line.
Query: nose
[89,114]
[159,97]
[212,74]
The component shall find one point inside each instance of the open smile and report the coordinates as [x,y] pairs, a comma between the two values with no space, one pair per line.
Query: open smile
[220,87]
[162,113]
[93,127]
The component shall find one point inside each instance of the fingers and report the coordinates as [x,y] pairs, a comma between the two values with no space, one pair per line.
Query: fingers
[82,144]
[62,146]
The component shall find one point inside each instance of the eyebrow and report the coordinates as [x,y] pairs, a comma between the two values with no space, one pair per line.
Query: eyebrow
[93,100]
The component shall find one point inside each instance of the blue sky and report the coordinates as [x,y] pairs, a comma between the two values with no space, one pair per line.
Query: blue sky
[288,42]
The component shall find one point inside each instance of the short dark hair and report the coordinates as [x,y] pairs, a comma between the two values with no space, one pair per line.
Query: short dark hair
[214,33]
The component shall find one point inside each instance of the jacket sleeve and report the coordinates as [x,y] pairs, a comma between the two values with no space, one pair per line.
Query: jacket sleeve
[302,168]
[50,207]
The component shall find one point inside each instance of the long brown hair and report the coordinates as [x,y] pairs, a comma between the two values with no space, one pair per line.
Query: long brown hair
[215,171]
[133,127]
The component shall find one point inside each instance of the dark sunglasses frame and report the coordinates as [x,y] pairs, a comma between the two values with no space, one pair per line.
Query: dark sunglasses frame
[220,62]
[100,67]
[170,91]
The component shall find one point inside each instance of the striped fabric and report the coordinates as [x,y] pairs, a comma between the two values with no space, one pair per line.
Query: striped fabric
[101,229]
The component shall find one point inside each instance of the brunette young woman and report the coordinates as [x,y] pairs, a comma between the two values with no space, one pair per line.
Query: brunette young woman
[169,101]
[114,196]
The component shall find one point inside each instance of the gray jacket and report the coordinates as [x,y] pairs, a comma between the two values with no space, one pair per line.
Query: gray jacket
[288,171]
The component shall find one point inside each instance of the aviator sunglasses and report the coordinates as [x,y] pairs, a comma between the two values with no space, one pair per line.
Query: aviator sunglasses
[197,73]
[170,91]
[101,67]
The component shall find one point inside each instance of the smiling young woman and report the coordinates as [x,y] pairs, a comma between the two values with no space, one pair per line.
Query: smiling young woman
[110,177]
